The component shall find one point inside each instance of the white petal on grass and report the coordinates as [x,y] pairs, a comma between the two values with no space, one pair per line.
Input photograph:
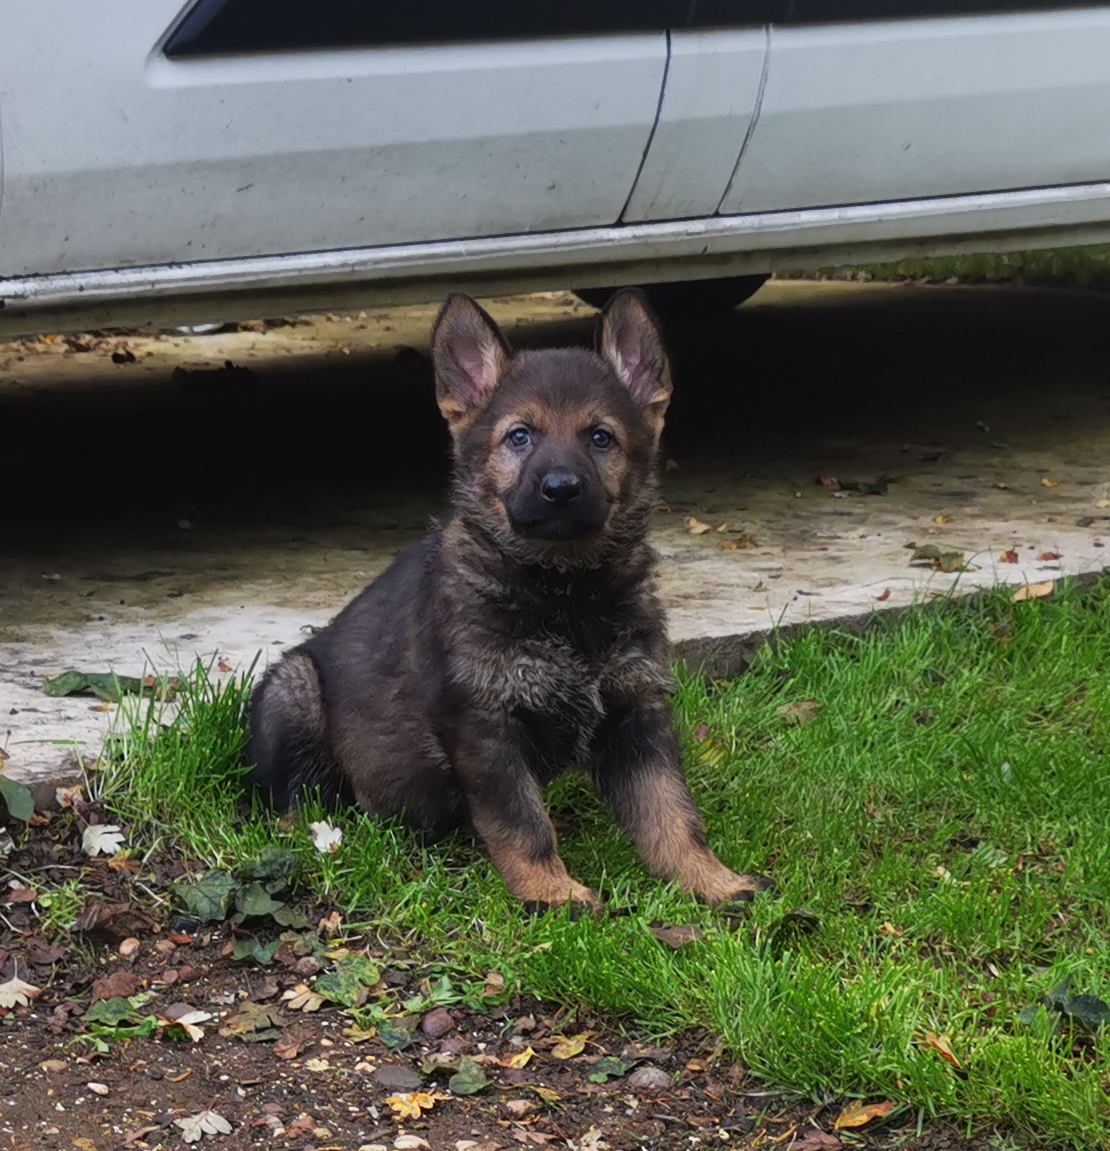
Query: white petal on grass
[325,837]
[101,839]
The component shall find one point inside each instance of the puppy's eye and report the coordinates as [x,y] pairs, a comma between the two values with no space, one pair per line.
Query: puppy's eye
[519,438]
[601,439]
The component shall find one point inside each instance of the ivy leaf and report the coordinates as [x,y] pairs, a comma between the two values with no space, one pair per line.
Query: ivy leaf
[274,866]
[251,948]
[112,1012]
[347,985]
[469,1079]
[394,1037]
[17,798]
[253,1018]
[609,1067]
[254,902]
[208,898]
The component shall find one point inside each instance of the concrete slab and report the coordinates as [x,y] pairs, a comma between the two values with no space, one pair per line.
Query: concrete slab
[168,508]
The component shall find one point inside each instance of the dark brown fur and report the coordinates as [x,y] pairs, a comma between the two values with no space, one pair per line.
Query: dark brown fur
[519,639]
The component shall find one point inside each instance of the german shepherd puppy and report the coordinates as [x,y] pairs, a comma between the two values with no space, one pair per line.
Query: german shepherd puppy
[522,637]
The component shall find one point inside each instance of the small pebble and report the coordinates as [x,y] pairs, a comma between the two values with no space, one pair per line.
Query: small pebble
[648,1078]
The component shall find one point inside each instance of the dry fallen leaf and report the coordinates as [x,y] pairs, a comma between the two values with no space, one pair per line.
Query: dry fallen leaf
[678,936]
[547,1094]
[410,1105]
[495,983]
[17,992]
[1010,557]
[1049,557]
[803,712]
[411,1143]
[303,998]
[1047,483]
[195,1127]
[884,597]
[1033,591]
[569,1048]
[520,1059]
[695,526]
[858,1114]
[223,665]
[941,1045]
[101,839]
[828,481]
[942,519]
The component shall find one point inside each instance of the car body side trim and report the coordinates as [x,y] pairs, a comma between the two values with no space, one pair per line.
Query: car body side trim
[769,239]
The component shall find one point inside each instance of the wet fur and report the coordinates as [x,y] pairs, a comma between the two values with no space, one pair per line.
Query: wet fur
[487,660]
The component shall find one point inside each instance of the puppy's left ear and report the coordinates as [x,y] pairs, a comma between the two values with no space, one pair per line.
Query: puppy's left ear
[470,356]
[628,337]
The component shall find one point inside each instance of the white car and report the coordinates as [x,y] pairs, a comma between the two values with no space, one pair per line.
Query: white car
[167,164]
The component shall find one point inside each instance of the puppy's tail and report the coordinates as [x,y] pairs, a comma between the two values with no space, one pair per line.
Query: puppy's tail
[288,744]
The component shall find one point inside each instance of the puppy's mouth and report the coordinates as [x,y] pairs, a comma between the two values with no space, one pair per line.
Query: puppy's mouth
[556,529]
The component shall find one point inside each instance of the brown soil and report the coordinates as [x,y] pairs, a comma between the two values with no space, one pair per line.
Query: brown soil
[313,1087]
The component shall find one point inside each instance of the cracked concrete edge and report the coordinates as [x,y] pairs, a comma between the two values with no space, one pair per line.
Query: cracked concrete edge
[724,657]
[717,657]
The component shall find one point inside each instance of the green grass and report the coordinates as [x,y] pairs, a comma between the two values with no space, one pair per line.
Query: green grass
[1085,267]
[946,815]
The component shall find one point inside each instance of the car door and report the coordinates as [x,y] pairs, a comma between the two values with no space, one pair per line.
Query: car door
[880,100]
[715,71]
[137,133]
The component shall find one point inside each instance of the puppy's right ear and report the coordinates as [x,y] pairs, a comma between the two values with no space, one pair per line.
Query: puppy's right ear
[470,356]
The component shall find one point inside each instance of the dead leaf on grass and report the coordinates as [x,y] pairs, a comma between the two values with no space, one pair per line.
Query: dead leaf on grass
[858,1114]
[942,1046]
[1034,591]
[802,712]
[677,936]
[495,984]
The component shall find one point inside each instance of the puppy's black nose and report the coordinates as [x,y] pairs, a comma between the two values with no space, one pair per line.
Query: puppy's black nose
[560,486]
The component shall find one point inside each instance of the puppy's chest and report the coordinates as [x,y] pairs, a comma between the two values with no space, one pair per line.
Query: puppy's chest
[568,663]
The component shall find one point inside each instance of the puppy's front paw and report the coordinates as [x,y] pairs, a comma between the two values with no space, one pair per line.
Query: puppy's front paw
[580,898]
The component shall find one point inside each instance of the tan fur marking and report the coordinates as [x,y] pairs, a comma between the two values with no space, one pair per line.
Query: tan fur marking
[667,847]
[546,882]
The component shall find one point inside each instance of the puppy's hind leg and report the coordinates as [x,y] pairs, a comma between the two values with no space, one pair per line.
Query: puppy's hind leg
[288,747]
